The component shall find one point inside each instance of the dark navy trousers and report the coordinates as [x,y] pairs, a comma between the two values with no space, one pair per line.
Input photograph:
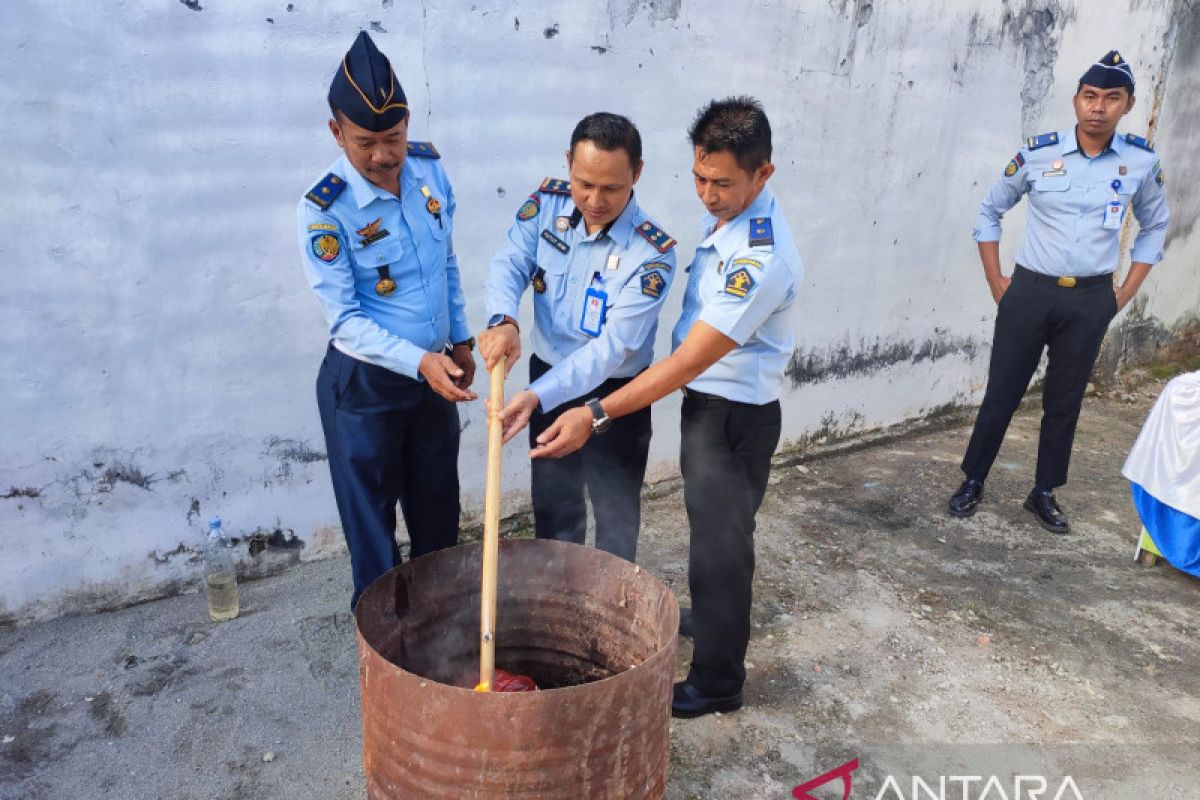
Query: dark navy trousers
[390,438]
[612,465]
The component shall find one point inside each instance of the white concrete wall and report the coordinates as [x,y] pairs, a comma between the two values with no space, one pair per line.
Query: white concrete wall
[159,344]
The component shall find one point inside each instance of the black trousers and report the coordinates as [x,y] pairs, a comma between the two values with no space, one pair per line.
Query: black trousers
[612,466]
[390,438]
[726,459]
[1037,314]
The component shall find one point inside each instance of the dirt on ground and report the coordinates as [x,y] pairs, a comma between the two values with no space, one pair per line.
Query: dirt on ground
[966,653]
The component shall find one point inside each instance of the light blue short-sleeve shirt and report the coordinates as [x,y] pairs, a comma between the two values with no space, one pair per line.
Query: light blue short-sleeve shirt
[742,282]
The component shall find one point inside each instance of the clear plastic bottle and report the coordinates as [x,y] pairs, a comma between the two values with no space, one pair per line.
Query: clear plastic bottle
[220,575]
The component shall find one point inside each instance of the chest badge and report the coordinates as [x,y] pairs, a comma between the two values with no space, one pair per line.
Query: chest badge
[1122,170]
[1056,164]
[432,204]
[562,223]
[539,281]
[372,232]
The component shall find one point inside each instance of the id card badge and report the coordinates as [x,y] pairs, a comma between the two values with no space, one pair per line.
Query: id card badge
[594,303]
[1112,215]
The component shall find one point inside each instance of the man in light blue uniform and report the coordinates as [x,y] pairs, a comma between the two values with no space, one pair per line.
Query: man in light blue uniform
[600,270]
[732,344]
[1081,183]
[375,238]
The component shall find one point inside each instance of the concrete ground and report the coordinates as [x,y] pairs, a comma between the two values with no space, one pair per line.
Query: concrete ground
[884,631]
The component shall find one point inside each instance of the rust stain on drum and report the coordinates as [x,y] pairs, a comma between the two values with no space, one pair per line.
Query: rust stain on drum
[596,632]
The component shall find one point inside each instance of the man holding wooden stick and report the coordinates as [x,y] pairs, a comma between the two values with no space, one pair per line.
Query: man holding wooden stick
[731,345]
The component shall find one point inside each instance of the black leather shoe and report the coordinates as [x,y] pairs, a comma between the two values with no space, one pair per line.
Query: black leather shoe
[688,702]
[964,502]
[685,623]
[1043,505]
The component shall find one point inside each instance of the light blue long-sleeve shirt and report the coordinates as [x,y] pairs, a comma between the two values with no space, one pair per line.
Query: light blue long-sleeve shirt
[547,248]
[742,282]
[1068,194]
[364,228]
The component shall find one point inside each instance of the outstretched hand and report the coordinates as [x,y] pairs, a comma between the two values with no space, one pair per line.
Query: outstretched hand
[567,434]
[515,416]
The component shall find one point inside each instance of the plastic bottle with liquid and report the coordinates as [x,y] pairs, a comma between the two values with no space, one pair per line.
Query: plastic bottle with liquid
[220,575]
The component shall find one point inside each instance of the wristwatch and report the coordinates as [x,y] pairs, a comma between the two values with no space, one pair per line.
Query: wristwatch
[502,319]
[600,420]
[470,343]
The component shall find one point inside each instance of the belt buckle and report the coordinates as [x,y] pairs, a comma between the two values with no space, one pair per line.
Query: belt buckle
[1067,281]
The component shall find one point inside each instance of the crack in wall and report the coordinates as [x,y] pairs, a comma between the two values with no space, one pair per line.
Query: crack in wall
[846,361]
[1038,28]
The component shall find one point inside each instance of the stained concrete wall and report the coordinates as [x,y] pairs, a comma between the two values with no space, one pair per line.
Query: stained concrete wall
[159,343]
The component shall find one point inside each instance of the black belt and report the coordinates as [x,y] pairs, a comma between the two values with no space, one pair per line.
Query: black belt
[704,397]
[1065,281]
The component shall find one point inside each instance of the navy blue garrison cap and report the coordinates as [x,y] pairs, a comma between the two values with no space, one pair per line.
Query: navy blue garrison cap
[365,88]
[1110,72]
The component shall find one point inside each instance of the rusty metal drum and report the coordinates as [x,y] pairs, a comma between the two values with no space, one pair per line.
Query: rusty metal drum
[596,633]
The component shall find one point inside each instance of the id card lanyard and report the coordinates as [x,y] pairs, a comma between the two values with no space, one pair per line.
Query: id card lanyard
[1112,211]
[595,306]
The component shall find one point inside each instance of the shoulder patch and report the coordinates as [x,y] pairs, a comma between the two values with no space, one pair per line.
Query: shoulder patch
[326,191]
[656,237]
[1159,177]
[653,283]
[1017,162]
[530,208]
[325,246]
[423,150]
[1041,140]
[555,186]
[761,232]
[1138,141]
[649,265]
[739,282]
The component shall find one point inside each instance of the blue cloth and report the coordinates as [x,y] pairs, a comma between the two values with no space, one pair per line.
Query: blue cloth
[1068,194]
[1175,534]
[366,228]
[561,261]
[742,281]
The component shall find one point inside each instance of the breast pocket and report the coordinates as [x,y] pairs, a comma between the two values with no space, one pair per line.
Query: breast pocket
[387,251]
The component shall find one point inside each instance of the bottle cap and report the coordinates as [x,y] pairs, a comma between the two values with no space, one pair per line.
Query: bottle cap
[215,522]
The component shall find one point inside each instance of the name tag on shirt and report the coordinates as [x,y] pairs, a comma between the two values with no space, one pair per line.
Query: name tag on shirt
[556,242]
[594,307]
[1112,215]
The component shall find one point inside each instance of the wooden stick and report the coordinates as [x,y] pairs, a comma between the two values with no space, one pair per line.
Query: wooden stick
[491,534]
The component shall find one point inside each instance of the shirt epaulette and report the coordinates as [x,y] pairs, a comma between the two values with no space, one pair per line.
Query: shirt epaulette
[761,232]
[326,191]
[1138,141]
[1041,140]
[423,150]
[652,234]
[555,186]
